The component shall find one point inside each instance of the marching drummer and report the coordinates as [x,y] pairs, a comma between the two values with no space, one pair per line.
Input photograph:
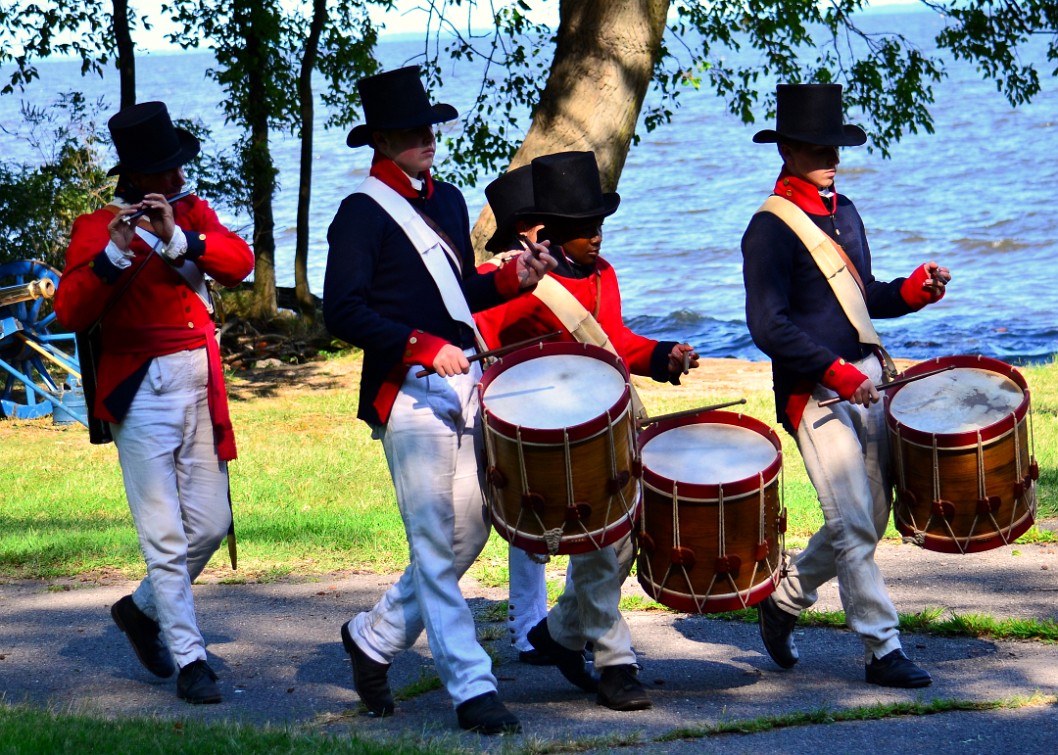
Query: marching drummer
[810,297]
[401,284]
[567,213]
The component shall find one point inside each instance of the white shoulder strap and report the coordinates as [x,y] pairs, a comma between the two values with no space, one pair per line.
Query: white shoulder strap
[821,248]
[430,246]
[189,271]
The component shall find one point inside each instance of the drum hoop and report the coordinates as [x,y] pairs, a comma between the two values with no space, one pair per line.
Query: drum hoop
[967,438]
[551,436]
[709,492]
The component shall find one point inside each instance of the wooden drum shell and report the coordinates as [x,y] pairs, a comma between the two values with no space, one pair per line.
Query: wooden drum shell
[595,460]
[938,477]
[698,569]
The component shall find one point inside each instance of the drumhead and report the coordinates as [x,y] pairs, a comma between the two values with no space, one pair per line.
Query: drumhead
[956,401]
[707,453]
[554,391]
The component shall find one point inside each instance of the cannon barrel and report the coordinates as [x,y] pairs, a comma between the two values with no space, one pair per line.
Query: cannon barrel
[44,288]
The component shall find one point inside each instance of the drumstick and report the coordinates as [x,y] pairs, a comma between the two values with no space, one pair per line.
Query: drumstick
[686,362]
[689,412]
[890,384]
[495,352]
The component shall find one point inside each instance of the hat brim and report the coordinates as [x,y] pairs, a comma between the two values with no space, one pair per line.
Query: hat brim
[850,136]
[188,151]
[610,202]
[360,136]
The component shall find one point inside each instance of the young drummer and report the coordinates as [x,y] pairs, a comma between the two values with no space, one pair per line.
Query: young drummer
[401,284]
[569,202]
[820,348]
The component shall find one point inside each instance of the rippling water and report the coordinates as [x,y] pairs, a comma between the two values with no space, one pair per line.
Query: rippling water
[975,196]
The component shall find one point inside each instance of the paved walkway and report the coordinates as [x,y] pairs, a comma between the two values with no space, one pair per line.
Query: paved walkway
[277,650]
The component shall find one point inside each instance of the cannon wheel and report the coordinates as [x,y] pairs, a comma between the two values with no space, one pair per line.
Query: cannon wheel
[17,399]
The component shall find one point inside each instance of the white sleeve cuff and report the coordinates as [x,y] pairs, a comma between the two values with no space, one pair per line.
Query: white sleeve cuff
[177,245]
[117,257]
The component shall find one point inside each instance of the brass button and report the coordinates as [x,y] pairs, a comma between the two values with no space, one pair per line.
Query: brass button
[190,324]
[786,182]
[187,309]
[789,193]
[413,340]
[201,237]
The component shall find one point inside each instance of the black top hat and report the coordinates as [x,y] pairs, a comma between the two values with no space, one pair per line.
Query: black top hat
[810,113]
[147,141]
[396,99]
[566,185]
[509,196]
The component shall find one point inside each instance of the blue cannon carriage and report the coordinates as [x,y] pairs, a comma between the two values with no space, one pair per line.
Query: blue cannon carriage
[39,369]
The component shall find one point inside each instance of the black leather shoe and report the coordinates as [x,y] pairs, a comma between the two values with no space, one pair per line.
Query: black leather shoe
[776,630]
[535,658]
[145,636]
[198,684]
[620,688]
[894,669]
[569,662]
[485,714]
[369,678]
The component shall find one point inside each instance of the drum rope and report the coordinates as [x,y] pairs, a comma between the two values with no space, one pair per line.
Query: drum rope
[720,525]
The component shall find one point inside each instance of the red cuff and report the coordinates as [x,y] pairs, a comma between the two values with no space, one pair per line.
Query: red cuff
[843,378]
[911,290]
[421,348]
[507,284]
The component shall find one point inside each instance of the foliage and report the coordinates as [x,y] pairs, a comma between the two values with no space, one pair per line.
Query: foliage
[39,204]
[734,49]
[39,30]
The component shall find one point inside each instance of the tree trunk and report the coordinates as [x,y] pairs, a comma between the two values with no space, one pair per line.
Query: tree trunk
[262,181]
[301,248]
[126,53]
[604,62]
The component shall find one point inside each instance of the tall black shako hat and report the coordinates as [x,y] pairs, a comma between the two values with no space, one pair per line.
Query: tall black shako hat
[810,113]
[509,196]
[147,141]
[395,99]
[567,185]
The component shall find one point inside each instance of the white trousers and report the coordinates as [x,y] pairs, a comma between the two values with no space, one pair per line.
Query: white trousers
[177,490]
[526,596]
[432,443]
[846,454]
[588,610]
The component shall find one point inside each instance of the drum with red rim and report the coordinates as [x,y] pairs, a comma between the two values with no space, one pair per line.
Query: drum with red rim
[711,532]
[961,455]
[560,448]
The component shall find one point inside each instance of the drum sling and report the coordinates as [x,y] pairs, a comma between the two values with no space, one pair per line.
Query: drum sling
[838,270]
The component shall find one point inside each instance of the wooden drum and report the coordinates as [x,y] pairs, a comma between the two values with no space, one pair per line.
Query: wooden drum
[560,446]
[711,535]
[961,455]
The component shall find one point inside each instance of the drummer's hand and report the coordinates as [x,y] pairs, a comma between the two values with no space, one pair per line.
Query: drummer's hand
[676,358]
[450,360]
[937,278]
[865,394]
[534,263]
